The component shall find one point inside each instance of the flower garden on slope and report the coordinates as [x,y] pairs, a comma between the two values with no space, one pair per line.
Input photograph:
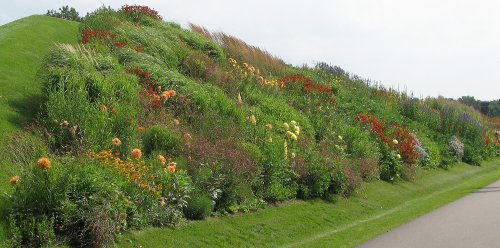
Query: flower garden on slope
[147,123]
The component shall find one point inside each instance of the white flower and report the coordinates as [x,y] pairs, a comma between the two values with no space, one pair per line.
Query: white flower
[340,137]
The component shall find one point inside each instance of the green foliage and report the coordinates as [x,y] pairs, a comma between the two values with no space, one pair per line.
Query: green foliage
[163,140]
[390,164]
[199,206]
[65,12]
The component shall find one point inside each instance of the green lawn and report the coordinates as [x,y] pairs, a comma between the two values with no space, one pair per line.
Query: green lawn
[23,44]
[378,208]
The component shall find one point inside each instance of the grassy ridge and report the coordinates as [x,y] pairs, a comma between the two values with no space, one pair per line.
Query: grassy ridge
[377,208]
[23,44]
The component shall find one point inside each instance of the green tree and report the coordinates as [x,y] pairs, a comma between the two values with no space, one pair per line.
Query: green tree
[65,12]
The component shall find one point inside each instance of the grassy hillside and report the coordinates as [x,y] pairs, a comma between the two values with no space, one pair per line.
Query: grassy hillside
[23,44]
[144,124]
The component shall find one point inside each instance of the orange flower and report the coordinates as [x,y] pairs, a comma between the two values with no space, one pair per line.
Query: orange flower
[163,202]
[187,136]
[269,126]
[161,159]
[141,129]
[171,167]
[245,65]
[136,153]
[177,122]
[171,92]
[164,96]
[117,141]
[103,107]
[64,124]
[44,163]
[14,180]
[113,110]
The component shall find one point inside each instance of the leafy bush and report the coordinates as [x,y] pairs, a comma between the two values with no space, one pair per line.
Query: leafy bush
[390,165]
[161,139]
[457,147]
[199,206]
[69,199]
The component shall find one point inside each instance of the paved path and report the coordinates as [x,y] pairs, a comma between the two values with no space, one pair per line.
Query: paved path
[472,222]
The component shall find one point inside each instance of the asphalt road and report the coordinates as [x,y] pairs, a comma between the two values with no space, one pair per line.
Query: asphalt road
[472,222]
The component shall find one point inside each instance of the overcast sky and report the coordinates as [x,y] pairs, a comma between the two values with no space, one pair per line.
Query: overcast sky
[447,47]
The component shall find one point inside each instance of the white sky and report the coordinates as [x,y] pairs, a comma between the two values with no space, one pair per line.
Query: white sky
[447,47]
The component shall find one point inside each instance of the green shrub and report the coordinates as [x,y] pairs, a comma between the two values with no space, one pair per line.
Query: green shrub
[316,183]
[163,140]
[472,154]
[390,164]
[199,206]
[88,207]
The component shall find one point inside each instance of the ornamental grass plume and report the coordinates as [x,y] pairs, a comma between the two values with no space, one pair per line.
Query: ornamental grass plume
[136,153]
[44,163]
[14,180]
[116,141]
[161,159]
[171,167]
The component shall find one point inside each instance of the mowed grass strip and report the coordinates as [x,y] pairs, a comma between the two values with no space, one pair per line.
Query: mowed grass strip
[377,208]
[23,45]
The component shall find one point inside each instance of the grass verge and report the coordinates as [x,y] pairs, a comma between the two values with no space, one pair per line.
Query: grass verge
[23,44]
[377,208]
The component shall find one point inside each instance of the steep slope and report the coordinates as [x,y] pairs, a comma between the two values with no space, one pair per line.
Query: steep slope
[23,44]
[148,123]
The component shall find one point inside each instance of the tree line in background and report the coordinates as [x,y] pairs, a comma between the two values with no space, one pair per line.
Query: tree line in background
[489,108]
[65,12]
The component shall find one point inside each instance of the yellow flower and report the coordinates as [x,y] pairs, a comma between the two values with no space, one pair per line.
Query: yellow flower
[14,180]
[253,120]
[117,141]
[44,163]
[292,135]
[395,142]
[292,155]
[340,137]
[161,159]
[286,126]
[297,130]
[285,146]
[136,153]
[398,156]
